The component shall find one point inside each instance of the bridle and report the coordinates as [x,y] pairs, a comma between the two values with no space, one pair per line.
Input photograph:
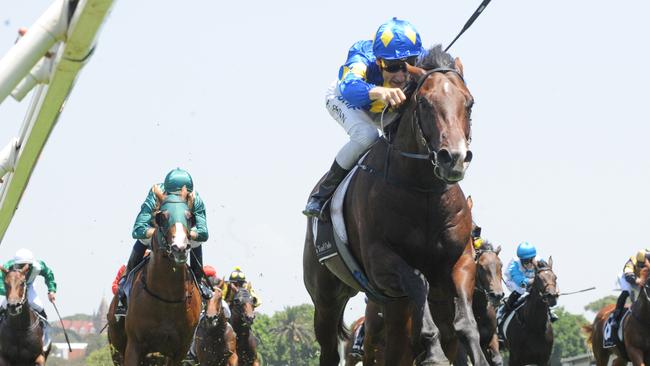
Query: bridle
[543,293]
[478,285]
[432,154]
[18,307]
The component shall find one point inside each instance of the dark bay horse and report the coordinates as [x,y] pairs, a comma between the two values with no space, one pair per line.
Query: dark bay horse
[164,302]
[352,359]
[409,224]
[21,334]
[636,330]
[243,316]
[488,294]
[529,337]
[215,341]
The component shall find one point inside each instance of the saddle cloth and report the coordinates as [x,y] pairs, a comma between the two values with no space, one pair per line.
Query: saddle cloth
[611,339]
[504,318]
[331,244]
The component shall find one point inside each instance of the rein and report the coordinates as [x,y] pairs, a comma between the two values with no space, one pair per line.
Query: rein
[158,237]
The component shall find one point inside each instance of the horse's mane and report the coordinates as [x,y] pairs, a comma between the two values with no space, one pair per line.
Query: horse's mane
[542,264]
[435,58]
[486,245]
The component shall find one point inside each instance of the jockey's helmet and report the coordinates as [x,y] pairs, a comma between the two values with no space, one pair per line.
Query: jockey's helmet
[641,257]
[476,232]
[176,179]
[209,271]
[526,250]
[23,256]
[237,276]
[396,39]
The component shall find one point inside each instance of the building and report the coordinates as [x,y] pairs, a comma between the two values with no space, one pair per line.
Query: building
[61,350]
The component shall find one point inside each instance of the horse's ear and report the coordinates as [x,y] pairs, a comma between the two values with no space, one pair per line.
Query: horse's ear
[160,196]
[498,250]
[4,270]
[470,202]
[190,201]
[184,193]
[458,66]
[550,262]
[415,71]
[25,269]
[161,217]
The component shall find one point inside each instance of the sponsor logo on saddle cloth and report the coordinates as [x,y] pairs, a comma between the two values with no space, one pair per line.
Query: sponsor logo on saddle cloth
[609,338]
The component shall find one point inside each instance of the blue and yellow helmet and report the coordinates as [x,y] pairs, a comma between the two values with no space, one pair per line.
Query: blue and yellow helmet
[396,39]
[526,250]
[176,179]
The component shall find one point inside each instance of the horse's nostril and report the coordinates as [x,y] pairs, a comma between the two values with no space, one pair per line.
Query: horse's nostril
[469,156]
[444,157]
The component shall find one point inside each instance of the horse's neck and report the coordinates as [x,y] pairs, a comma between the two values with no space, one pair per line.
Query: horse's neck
[164,279]
[535,311]
[22,321]
[641,307]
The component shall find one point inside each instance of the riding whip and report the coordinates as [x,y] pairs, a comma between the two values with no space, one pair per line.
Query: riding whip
[62,326]
[471,20]
[577,292]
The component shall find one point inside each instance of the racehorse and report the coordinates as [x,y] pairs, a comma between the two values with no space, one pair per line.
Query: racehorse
[243,316]
[529,336]
[164,301]
[636,330]
[487,297]
[215,341]
[21,334]
[350,358]
[408,223]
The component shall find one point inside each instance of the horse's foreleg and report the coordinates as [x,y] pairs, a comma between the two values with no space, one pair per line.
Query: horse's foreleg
[425,336]
[233,360]
[132,355]
[493,350]
[463,276]
[635,354]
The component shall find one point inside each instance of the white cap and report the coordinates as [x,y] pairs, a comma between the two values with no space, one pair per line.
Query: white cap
[24,256]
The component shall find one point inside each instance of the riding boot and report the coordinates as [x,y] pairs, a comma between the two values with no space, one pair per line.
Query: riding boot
[618,311]
[137,254]
[325,189]
[357,346]
[196,264]
[43,314]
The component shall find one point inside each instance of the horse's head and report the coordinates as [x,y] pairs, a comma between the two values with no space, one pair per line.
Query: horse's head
[214,309]
[488,273]
[545,283]
[173,222]
[441,106]
[16,288]
[243,308]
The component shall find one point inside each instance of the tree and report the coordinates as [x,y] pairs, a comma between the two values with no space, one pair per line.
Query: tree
[100,357]
[596,305]
[569,340]
[293,330]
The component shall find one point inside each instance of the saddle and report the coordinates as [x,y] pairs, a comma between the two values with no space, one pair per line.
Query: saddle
[615,339]
[130,277]
[331,243]
[505,317]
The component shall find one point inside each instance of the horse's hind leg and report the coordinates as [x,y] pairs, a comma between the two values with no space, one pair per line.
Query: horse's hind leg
[329,296]
[132,355]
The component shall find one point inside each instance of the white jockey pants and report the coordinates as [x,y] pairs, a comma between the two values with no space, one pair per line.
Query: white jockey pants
[626,286]
[32,298]
[357,122]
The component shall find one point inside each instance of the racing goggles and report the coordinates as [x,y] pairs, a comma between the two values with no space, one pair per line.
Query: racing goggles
[397,65]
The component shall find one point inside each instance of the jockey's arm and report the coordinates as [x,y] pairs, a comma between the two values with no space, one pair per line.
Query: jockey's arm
[516,275]
[143,221]
[353,84]
[48,275]
[201,228]
[629,271]
[3,292]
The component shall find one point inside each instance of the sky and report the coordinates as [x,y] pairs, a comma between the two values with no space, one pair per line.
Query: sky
[234,93]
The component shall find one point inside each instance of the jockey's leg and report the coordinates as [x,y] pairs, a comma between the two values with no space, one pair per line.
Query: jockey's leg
[34,301]
[620,307]
[196,264]
[363,133]
[137,254]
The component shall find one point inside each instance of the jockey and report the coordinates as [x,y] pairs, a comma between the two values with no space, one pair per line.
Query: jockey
[238,279]
[371,79]
[629,282]
[520,276]
[36,268]
[477,241]
[214,281]
[143,230]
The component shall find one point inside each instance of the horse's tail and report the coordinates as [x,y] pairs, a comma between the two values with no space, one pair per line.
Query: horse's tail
[588,330]
[343,331]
